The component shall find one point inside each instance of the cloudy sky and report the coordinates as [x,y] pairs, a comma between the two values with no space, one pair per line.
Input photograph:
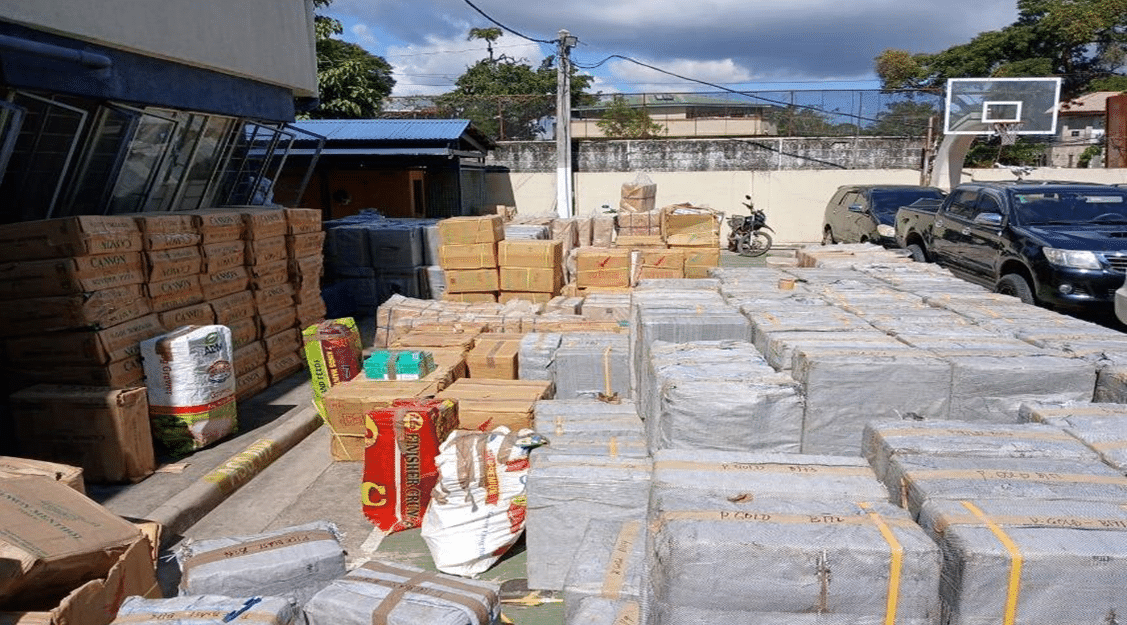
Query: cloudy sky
[765,45]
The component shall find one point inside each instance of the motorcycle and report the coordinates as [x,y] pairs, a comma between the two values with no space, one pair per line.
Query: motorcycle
[746,233]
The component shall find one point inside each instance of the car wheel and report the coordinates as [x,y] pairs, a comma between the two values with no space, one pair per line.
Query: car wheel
[1015,285]
[918,254]
[828,237]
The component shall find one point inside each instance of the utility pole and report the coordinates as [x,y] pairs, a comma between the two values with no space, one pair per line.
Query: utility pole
[563,124]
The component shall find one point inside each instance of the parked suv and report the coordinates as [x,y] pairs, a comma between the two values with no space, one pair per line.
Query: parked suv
[867,213]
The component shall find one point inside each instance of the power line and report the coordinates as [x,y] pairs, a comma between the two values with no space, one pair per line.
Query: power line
[503,27]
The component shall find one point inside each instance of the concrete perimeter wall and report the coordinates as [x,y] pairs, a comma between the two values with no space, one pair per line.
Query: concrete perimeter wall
[793,188]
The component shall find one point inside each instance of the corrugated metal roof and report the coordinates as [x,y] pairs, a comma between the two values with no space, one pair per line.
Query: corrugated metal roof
[385,129]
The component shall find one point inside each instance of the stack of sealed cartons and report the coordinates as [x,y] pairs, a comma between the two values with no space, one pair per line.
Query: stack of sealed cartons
[530,270]
[468,255]
[305,241]
[696,232]
[484,404]
[638,229]
[75,306]
[347,406]
[174,276]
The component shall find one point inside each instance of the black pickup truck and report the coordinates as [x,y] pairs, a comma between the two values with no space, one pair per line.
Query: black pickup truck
[1059,244]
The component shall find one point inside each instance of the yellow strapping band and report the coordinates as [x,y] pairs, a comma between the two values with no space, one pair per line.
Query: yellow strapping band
[895,567]
[1015,562]
[606,371]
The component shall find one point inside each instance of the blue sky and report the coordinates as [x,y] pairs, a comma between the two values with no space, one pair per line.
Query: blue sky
[765,45]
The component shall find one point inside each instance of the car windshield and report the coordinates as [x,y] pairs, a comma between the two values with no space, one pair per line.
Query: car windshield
[1087,206]
[890,200]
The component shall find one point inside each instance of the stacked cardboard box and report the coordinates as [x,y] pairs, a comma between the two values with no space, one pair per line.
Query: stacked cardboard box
[468,256]
[603,267]
[696,231]
[484,404]
[530,270]
[347,405]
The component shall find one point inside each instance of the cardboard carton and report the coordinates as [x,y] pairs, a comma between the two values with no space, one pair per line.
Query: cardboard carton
[463,341]
[216,225]
[222,255]
[175,293]
[243,331]
[163,231]
[85,347]
[104,431]
[602,267]
[531,279]
[308,245]
[484,404]
[194,315]
[63,237]
[639,196]
[225,282]
[472,281]
[239,305]
[661,263]
[96,309]
[273,298]
[464,230]
[120,374]
[263,223]
[67,276]
[68,475]
[269,275]
[302,220]
[284,366]
[266,251]
[683,224]
[494,358]
[252,383]
[698,260]
[526,296]
[75,561]
[471,298]
[468,256]
[348,403]
[168,264]
[531,253]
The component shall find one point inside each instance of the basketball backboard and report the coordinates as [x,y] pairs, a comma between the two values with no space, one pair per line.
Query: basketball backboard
[981,106]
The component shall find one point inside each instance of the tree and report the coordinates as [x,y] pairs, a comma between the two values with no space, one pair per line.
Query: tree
[905,118]
[506,98]
[353,83]
[622,121]
[1080,40]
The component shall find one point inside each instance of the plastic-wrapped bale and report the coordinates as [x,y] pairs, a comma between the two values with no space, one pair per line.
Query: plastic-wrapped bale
[534,359]
[477,508]
[992,388]
[679,322]
[798,318]
[740,473]
[609,565]
[207,609]
[787,560]
[564,493]
[1026,562]
[293,562]
[884,439]
[1102,427]
[606,306]
[526,231]
[396,245]
[779,346]
[597,610]
[727,414]
[555,417]
[1111,384]
[592,365]
[844,389]
[704,360]
[191,386]
[914,479]
[379,592]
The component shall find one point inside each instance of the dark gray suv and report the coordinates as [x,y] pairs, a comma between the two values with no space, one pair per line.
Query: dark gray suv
[866,213]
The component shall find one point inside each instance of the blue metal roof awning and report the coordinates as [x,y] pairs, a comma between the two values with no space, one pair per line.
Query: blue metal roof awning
[397,151]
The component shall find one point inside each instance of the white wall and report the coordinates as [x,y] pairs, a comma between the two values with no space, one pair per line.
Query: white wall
[266,40]
[793,200]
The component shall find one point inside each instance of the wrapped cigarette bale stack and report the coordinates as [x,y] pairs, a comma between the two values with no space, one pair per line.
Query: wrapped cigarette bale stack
[74,301]
[468,257]
[695,231]
[604,584]
[593,365]
[267,257]
[591,427]
[194,609]
[531,270]
[1103,427]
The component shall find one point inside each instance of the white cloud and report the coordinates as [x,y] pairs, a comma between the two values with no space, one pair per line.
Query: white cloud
[363,36]
[434,65]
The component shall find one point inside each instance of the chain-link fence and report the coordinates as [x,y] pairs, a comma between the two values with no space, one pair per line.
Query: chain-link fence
[823,113]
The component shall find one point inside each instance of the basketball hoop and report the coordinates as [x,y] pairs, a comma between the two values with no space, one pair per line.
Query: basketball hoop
[1007,131]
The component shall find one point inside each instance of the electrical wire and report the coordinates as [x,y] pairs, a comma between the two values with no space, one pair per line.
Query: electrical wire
[503,27]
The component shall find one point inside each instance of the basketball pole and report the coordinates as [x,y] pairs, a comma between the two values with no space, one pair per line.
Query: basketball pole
[947,170]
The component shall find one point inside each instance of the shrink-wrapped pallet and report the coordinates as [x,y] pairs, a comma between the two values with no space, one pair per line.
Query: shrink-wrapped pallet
[293,562]
[778,347]
[477,506]
[787,560]
[207,609]
[191,385]
[1025,562]
[592,365]
[914,478]
[379,592]
[846,388]
[681,323]
[1100,426]
[596,610]
[727,414]
[755,474]
[610,566]
[798,317]
[884,439]
[567,491]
